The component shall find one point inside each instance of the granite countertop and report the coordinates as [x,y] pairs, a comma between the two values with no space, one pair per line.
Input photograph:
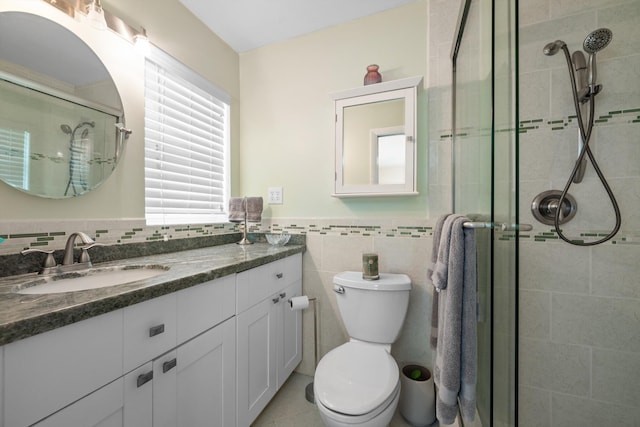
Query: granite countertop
[22,316]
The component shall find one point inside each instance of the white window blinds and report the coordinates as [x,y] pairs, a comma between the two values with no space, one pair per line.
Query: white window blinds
[186,145]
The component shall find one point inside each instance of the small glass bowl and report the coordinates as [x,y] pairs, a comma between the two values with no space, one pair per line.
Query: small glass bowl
[278,239]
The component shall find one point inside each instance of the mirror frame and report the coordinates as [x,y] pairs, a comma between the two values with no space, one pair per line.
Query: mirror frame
[405,89]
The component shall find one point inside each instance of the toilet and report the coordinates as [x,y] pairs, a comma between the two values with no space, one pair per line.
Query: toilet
[358,383]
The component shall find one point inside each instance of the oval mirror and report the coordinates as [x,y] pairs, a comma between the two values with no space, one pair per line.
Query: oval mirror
[60,111]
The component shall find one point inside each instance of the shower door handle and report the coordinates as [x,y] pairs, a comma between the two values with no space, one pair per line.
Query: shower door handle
[338,289]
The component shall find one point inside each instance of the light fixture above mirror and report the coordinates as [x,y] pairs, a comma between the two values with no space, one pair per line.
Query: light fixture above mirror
[98,17]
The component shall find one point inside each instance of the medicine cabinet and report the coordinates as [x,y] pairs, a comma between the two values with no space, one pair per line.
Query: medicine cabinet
[375,139]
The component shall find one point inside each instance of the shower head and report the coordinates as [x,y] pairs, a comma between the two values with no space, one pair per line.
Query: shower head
[553,47]
[597,40]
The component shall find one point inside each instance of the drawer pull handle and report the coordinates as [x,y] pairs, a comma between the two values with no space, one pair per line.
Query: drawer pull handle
[167,366]
[144,378]
[283,295]
[156,330]
[279,275]
[275,300]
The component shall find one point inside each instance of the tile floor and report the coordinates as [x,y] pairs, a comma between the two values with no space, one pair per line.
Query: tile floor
[290,408]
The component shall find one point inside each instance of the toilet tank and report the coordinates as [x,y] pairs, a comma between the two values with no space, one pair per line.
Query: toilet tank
[372,310]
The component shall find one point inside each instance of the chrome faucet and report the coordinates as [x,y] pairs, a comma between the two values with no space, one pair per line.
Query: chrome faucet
[67,259]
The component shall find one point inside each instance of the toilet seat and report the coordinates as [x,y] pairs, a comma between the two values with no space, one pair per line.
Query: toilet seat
[356,378]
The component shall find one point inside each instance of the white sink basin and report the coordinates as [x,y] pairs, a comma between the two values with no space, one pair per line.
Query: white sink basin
[90,279]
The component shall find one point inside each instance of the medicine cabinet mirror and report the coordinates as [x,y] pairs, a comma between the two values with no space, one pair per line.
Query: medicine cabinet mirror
[375,137]
[61,116]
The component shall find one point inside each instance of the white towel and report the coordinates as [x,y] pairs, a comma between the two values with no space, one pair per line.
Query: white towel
[437,234]
[237,209]
[254,209]
[455,367]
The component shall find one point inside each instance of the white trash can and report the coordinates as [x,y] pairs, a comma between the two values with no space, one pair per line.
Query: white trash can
[417,395]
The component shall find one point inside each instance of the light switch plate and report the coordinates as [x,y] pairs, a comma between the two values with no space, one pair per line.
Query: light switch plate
[275,195]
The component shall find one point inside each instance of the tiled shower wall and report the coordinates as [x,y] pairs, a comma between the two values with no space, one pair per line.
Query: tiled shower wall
[580,307]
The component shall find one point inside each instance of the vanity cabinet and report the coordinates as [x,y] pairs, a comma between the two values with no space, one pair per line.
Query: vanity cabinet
[269,333]
[115,363]
[181,359]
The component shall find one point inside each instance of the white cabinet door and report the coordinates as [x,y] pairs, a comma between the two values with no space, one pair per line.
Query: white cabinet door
[289,349]
[194,385]
[256,359]
[102,408]
[206,380]
[165,390]
[138,397]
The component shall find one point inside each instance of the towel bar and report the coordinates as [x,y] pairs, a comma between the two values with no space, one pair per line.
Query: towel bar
[501,226]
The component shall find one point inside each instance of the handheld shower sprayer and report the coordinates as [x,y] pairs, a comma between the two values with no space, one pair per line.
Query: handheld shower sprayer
[584,93]
[595,42]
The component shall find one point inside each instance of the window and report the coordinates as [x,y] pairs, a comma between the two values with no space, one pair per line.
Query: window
[186,145]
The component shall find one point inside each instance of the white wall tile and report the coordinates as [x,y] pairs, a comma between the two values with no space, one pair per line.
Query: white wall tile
[571,411]
[616,270]
[535,314]
[553,366]
[535,407]
[554,267]
[612,323]
[615,377]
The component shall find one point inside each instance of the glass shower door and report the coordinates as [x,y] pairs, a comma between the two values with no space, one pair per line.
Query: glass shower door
[485,189]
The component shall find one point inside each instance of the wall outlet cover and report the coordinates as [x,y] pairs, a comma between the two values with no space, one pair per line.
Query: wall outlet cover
[275,195]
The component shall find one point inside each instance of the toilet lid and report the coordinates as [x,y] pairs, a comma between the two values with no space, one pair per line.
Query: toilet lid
[355,378]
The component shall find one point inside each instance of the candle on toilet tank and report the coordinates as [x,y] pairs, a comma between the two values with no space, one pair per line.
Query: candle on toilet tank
[370,267]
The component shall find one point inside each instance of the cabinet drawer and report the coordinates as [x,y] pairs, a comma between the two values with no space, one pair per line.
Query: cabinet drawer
[103,407]
[149,330]
[79,359]
[261,282]
[203,306]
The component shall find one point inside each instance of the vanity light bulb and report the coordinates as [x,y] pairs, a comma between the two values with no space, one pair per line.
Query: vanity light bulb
[141,44]
[95,16]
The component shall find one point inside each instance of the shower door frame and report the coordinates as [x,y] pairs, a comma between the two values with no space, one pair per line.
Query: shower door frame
[513,214]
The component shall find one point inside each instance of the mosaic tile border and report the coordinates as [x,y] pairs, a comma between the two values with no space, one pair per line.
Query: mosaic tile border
[123,232]
[617,117]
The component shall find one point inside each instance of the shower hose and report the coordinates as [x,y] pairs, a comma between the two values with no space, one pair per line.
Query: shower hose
[586,136]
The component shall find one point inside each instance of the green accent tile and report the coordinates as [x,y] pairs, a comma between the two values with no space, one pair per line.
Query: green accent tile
[129,233]
[554,122]
[57,233]
[125,237]
[615,112]
[522,131]
[601,121]
[39,244]
[635,121]
[138,229]
[632,110]
[537,121]
[528,127]
[27,235]
[525,121]
[557,128]
[45,239]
